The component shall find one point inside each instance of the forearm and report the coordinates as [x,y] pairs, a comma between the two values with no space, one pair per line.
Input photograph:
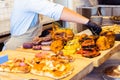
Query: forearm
[71,16]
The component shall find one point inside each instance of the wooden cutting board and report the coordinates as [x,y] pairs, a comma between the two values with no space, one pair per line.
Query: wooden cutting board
[106,54]
[29,50]
[97,61]
[81,68]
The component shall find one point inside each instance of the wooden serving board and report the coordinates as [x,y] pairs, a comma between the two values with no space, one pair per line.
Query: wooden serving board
[81,68]
[28,50]
[106,54]
[97,61]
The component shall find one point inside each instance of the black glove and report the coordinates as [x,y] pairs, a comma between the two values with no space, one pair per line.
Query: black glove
[95,29]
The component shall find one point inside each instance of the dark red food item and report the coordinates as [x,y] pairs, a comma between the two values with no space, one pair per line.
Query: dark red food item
[88,42]
[88,53]
[27,45]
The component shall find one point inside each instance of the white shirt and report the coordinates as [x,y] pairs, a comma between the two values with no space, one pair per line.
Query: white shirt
[25,14]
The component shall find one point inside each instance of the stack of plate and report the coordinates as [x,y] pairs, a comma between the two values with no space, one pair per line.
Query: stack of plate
[112,72]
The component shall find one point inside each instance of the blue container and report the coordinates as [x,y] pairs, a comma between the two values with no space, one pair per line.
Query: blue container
[3,58]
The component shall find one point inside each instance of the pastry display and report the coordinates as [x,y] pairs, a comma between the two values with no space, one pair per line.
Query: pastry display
[63,39]
[54,60]
[56,66]
[88,46]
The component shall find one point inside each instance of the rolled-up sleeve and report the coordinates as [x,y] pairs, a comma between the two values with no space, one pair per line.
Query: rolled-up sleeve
[46,8]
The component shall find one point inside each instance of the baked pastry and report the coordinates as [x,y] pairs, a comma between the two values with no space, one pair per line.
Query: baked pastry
[16,66]
[88,47]
[56,45]
[54,66]
[106,40]
[89,53]
[64,34]
[102,43]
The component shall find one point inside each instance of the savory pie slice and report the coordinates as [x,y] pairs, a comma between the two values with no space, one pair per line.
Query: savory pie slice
[52,68]
[16,65]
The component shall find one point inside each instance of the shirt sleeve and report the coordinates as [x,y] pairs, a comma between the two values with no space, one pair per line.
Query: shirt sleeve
[46,8]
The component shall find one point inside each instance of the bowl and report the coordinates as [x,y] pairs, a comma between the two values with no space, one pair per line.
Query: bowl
[112,72]
[115,19]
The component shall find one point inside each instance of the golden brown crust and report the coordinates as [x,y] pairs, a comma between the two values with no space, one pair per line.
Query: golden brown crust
[55,74]
[102,43]
[56,45]
[54,66]
[64,34]
[106,40]
[16,66]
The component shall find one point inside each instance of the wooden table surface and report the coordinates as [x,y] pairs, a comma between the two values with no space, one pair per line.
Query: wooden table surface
[81,68]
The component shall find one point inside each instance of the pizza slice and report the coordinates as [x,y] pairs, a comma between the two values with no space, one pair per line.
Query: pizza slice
[53,67]
[16,65]
[61,71]
[56,72]
[7,66]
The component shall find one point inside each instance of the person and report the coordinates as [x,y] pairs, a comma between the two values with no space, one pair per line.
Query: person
[25,23]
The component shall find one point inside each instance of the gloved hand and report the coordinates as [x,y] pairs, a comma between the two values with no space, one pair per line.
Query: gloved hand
[95,29]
